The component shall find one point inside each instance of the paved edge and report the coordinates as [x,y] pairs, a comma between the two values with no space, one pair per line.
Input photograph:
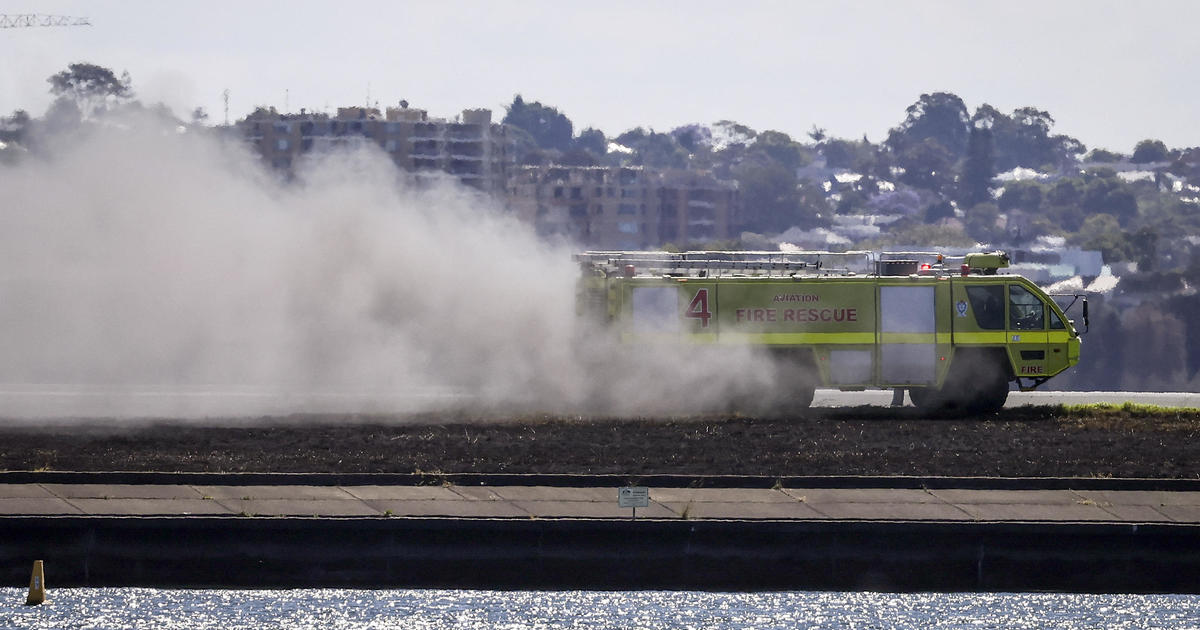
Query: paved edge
[599,481]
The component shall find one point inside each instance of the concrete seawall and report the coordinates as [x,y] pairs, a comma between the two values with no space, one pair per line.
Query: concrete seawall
[602,554]
[204,531]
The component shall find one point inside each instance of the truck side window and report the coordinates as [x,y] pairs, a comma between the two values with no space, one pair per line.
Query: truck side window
[1025,310]
[987,301]
[1056,322]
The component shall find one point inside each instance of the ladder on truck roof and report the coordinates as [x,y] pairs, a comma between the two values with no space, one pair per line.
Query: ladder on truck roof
[783,263]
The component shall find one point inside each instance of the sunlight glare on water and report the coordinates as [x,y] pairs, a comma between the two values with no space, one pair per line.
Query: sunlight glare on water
[137,608]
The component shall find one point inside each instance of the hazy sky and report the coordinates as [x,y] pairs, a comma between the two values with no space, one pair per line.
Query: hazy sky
[1111,73]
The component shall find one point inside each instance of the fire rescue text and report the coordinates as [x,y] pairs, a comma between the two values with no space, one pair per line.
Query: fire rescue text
[797,315]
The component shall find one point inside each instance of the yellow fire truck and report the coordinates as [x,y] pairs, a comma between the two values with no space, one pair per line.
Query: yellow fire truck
[951,330]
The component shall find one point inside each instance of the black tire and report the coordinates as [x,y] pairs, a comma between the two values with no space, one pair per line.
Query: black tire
[800,397]
[990,389]
[921,397]
[935,399]
[977,383]
[798,381]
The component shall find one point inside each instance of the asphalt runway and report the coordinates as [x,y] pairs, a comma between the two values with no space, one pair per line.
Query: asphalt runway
[50,401]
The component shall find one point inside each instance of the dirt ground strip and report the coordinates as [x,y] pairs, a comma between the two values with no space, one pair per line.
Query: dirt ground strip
[1024,442]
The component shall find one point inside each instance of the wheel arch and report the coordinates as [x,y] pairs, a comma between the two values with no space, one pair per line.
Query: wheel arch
[974,356]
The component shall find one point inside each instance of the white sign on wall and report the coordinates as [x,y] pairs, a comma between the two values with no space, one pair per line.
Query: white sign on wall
[633,497]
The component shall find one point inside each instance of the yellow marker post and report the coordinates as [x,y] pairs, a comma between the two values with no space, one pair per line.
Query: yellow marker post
[37,585]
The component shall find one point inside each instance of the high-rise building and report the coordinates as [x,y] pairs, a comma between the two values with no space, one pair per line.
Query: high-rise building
[599,206]
[604,207]
[696,207]
[473,149]
[623,207]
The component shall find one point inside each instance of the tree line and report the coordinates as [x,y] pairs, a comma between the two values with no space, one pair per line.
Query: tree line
[936,169]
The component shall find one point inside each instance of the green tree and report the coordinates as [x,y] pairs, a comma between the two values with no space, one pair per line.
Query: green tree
[852,201]
[92,88]
[1021,196]
[549,128]
[981,222]
[1024,139]
[1107,194]
[653,149]
[921,235]
[693,138]
[632,138]
[838,153]
[1149,151]
[856,156]
[938,211]
[941,117]
[1103,155]
[979,168]
[1067,217]
[1066,192]
[1103,232]
[927,165]
[782,148]
[593,141]
[524,147]
[771,197]
[1143,248]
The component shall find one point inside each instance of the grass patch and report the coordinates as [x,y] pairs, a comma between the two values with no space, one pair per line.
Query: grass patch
[1135,410]
[1130,416]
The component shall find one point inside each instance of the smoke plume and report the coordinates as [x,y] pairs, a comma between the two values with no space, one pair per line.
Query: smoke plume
[137,257]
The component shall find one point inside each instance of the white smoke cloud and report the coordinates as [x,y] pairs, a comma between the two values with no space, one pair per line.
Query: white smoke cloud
[135,257]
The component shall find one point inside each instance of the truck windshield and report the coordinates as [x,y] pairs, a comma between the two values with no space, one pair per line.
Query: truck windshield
[1025,310]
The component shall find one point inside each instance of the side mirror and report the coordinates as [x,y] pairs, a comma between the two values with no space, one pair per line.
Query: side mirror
[1085,314]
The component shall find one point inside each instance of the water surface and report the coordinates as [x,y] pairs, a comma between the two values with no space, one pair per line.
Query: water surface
[136,608]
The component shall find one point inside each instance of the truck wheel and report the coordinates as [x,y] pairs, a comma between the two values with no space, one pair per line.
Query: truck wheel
[990,389]
[939,399]
[920,396]
[976,384]
[801,396]
[795,383]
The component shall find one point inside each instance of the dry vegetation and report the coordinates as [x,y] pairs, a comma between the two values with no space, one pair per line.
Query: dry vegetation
[1087,441]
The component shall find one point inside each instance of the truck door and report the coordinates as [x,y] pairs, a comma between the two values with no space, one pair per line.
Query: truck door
[908,340]
[1027,338]
[1059,341]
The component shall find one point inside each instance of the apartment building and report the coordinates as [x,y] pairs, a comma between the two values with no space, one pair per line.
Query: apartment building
[472,148]
[696,207]
[623,207]
[605,207]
